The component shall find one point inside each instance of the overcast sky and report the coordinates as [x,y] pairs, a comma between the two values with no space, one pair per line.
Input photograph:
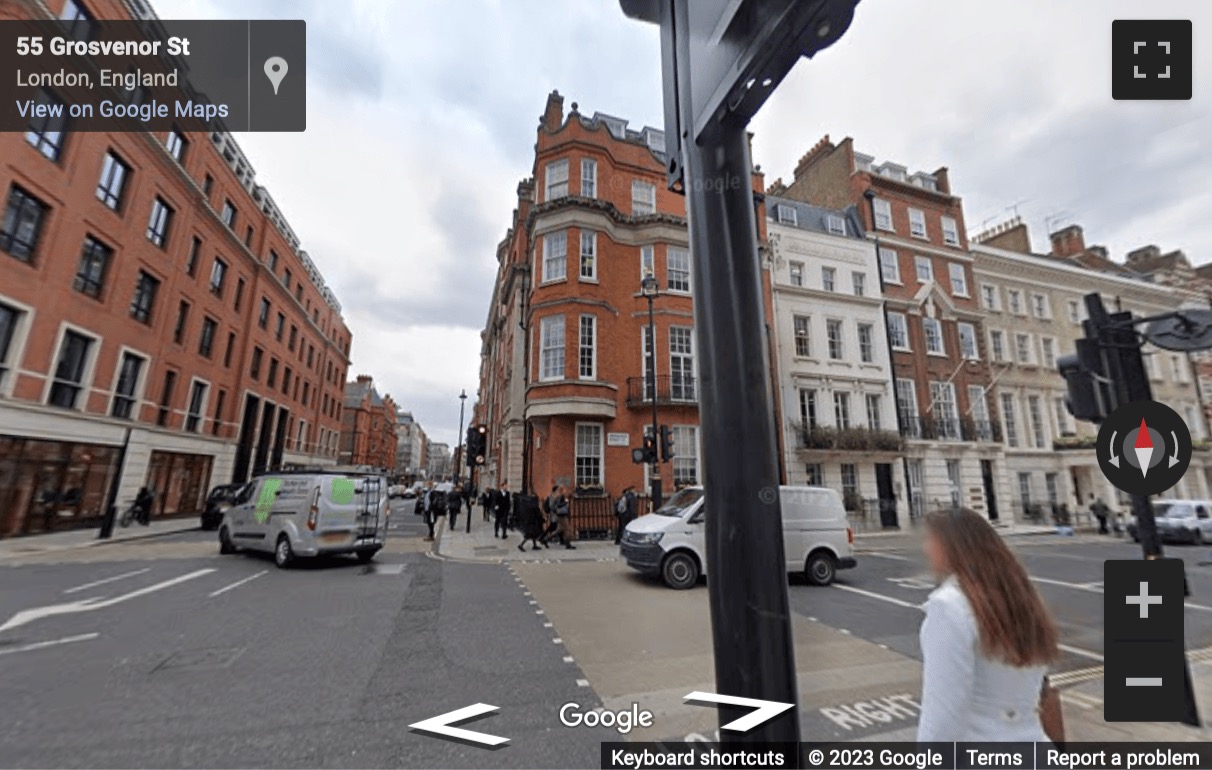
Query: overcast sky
[422,116]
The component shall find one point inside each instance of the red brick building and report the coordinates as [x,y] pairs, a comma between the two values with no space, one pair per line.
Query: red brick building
[563,375]
[934,322]
[368,426]
[159,324]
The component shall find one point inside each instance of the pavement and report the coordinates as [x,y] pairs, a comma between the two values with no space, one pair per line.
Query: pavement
[159,652]
[87,538]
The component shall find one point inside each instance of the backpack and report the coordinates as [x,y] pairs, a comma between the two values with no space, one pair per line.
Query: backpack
[438,501]
[620,506]
[547,505]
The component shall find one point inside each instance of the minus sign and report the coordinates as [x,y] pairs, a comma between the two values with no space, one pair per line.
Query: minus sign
[1143,681]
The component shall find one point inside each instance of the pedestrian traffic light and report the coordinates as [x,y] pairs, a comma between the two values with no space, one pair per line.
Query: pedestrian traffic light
[477,445]
[647,453]
[666,443]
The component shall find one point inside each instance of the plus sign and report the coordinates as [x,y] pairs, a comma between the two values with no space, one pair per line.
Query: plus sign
[1144,600]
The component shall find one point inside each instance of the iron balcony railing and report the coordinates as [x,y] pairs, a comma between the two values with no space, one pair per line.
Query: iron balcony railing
[950,429]
[847,439]
[670,389]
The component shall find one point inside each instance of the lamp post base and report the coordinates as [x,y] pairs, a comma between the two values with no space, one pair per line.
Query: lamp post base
[655,486]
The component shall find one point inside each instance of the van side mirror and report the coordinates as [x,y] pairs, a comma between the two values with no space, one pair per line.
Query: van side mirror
[698,517]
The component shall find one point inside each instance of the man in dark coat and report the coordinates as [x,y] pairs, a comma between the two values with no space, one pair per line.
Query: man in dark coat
[500,510]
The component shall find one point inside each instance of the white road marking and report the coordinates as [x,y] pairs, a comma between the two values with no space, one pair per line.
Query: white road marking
[883,555]
[568,659]
[557,640]
[237,584]
[103,581]
[1080,652]
[94,603]
[51,643]
[547,625]
[582,683]
[881,597]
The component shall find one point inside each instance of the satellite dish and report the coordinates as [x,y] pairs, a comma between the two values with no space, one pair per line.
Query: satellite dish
[1185,331]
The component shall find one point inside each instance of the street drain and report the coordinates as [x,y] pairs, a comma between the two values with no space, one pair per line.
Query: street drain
[210,657]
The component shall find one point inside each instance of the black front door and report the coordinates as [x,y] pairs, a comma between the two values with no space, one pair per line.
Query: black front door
[883,485]
[990,492]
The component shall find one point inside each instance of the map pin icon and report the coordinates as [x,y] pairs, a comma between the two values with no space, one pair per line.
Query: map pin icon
[275,70]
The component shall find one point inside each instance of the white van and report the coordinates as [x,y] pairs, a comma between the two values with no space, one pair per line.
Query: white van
[817,540]
[308,514]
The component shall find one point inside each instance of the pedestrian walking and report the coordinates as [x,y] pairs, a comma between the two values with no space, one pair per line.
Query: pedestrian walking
[986,641]
[563,512]
[144,501]
[1100,511]
[625,511]
[486,498]
[530,523]
[429,510]
[501,505]
[455,505]
[549,516]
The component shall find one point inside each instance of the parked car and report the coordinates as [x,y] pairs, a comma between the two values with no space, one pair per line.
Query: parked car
[396,490]
[294,515]
[217,502]
[671,543]
[1179,521]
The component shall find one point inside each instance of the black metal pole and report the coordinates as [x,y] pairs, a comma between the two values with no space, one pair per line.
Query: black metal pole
[111,496]
[750,619]
[471,476]
[654,470]
[458,459]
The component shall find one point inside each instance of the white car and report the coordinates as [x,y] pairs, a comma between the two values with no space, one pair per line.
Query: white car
[671,543]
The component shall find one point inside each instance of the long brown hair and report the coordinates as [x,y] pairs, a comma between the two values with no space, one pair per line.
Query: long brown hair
[1014,625]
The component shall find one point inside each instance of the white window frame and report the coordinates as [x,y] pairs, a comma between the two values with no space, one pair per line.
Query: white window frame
[1039,425]
[843,418]
[685,389]
[835,224]
[643,198]
[881,212]
[1014,302]
[858,283]
[1019,347]
[589,238]
[88,373]
[835,342]
[590,347]
[589,178]
[866,347]
[597,452]
[200,428]
[921,261]
[997,351]
[683,256]
[1009,420]
[1075,311]
[991,297]
[555,266]
[950,231]
[917,224]
[873,403]
[890,265]
[903,324]
[786,215]
[829,279]
[552,344]
[136,397]
[647,261]
[686,440]
[795,273]
[1041,306]
[1060,408]
[958,278]
[1047,349]
[967,334]
[937,325]
[15,354]
[796,336]
[555,180]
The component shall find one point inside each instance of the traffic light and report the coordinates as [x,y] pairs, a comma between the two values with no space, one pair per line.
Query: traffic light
[666,443]
[477,445]
[647,453]
[1089,396]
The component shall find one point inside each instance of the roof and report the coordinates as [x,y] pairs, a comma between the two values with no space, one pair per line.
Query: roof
[356,392]
[815,218]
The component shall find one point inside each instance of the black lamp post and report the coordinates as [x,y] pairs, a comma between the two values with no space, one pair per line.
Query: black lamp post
[460,449]
[649,288]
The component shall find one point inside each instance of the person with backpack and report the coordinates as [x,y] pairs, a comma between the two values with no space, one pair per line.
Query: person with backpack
[549,516]
[624,511]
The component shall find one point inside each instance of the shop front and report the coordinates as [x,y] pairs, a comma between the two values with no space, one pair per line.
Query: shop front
[179,482]
[47,486]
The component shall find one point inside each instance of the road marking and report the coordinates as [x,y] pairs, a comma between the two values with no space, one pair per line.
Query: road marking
[1080,652]
[442,725]
[881,597]
[557,640]
[568,659]
[883,555]
[237,584]
[103,581]
[95,603]
[51,643]
[877,711]
[763,710]
[582,683]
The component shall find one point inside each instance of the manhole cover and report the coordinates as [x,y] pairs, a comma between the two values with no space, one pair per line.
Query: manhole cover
[211,657]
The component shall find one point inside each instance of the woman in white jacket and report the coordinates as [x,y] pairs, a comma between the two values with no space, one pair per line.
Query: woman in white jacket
[987,639]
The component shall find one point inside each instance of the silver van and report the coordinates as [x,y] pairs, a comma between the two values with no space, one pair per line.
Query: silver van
[294,515]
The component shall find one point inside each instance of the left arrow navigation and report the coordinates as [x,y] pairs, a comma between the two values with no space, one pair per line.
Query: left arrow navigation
[442,725]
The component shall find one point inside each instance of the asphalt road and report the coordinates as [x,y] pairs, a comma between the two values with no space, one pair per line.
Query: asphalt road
[190,659]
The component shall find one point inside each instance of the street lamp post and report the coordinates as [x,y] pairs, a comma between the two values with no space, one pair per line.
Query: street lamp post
[649,288]
[458,455]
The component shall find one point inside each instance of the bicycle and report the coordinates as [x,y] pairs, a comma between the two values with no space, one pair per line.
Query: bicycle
[131,513]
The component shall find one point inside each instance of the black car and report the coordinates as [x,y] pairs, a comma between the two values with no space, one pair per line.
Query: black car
[218,501]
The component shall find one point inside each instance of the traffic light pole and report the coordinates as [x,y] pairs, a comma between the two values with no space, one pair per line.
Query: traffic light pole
[654,468]
[750,618]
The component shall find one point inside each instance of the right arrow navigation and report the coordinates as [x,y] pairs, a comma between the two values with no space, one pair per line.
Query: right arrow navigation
[441,725]
[764,710]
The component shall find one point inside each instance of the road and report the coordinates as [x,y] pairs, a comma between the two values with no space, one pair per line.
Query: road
[229,662]
[162,653]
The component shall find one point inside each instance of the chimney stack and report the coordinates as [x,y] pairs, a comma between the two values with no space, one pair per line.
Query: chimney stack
[553,115]
[1068,242]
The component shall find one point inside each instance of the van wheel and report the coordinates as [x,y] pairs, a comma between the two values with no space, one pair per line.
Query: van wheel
[820,569]
[680,571]
[365,556]
[226,546]
[284,555]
